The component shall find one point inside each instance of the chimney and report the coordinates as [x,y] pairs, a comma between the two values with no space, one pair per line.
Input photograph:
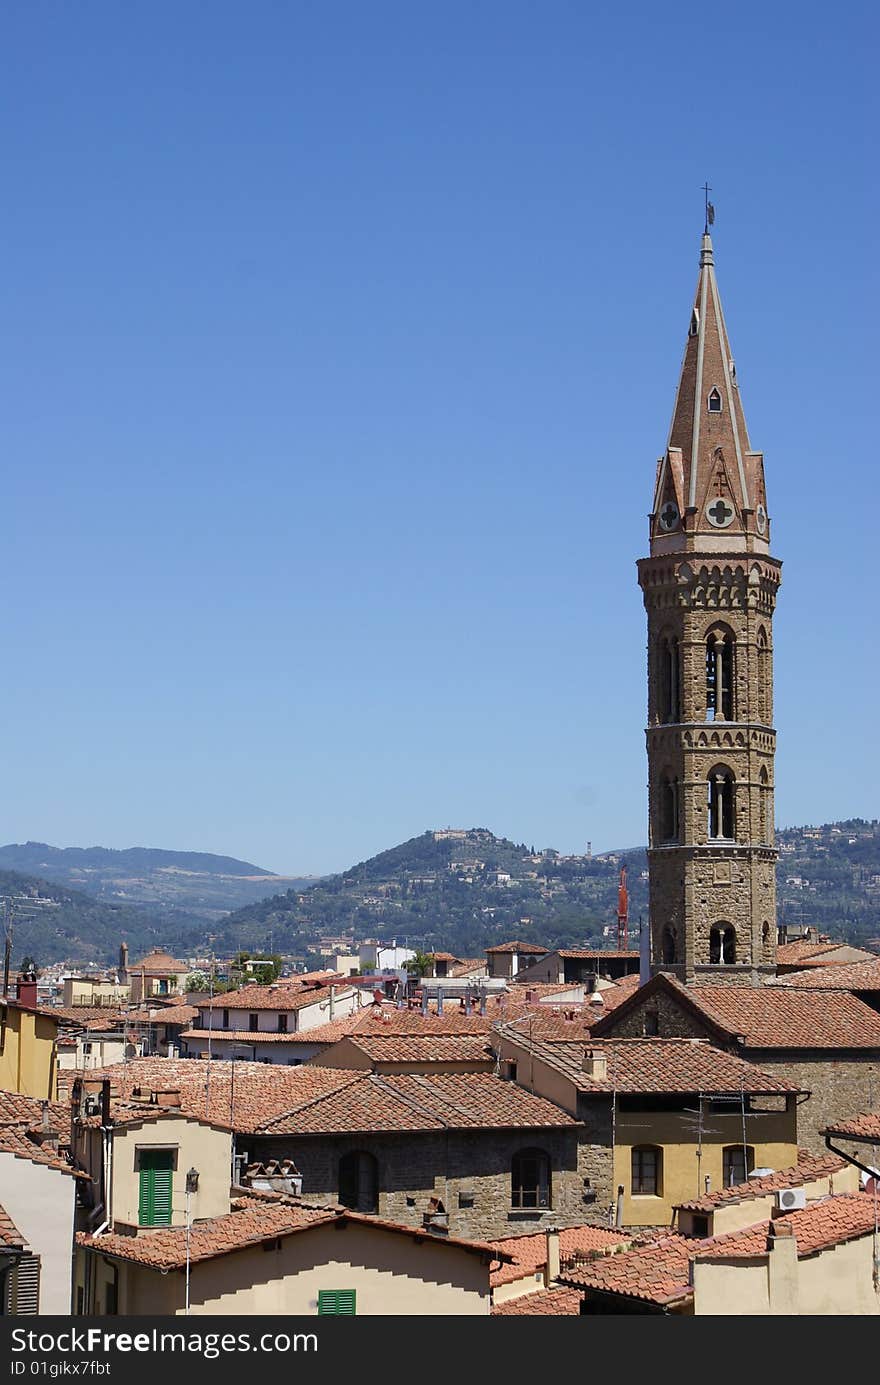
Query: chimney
[782,1269]
[551,1268]
[595,1064]
[424,1001]
[482,1002]
[166,1096]
[439,1000]
[48,1135]
[332,1001]
[26,990]
[123,960]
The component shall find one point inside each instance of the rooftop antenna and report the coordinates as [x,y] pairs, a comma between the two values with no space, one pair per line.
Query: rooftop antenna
[710,210]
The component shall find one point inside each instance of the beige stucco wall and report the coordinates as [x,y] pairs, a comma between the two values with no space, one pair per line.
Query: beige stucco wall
[391,1274]
[42,1204]
[198,1146]
[79,990]
[27,1052]
[528,1284]
[834,1282]
[686,1165]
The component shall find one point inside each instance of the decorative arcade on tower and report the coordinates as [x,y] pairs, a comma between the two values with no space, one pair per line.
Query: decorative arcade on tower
[709,588]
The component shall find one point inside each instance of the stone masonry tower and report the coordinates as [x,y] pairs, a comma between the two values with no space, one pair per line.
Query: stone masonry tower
[710,590]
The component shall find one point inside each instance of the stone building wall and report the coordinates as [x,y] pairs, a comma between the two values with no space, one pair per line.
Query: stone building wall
[460,1168]
[842,1084]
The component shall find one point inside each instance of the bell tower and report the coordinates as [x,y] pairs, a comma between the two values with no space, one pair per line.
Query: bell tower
[709,588]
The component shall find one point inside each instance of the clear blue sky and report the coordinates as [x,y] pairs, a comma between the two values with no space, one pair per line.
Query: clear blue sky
[339,343]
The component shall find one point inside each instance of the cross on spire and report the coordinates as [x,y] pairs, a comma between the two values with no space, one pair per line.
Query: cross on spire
[710,210]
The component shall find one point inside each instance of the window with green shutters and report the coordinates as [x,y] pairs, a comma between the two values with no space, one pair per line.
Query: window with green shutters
[156,1169]
[339,1302]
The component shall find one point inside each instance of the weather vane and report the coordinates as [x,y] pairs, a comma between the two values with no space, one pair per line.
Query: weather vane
[710,210]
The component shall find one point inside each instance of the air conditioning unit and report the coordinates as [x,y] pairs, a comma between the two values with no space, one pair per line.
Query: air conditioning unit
[790,1199]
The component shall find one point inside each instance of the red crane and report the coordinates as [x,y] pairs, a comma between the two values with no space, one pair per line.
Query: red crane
[622,912]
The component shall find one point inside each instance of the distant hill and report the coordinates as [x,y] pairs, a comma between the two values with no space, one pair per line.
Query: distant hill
[464,891]
[457,891]
[48,861]
[176,887]
[53,923]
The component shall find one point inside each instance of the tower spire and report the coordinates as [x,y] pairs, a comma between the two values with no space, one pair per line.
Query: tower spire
[709,493]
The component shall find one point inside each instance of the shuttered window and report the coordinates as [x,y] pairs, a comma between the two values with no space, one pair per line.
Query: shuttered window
[338,1302]
[156,1166]
[23,1287]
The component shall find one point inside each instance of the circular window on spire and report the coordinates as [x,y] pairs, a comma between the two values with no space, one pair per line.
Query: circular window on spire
[668,516]
[720,513]
[761,519]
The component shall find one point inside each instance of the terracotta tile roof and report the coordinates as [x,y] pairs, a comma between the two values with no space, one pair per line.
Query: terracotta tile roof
[544,1303]
[467,966]
[444,957]
[622,989]
[790,953]
[419,1102]
[424,1048]
[27,1111]
[168,1014]
[387,1020]
[567,1024]
[157,963]
[863,1127]
[780,1017]
[855,976]
[87,1016]
[826,1223]
[520,948]
[324,1034]
[658,1272]
[255,1094]
[530,1252]
[251,1222]
[808,1168]
[15,1141]
[280,995]
[10,1236]
[658,1065]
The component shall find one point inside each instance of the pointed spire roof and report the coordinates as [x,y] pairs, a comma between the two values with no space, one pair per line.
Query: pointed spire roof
[709,494]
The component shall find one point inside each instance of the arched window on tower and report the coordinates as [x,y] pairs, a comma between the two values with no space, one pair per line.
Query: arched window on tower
[765,940]
[721,803]
[720,648]
[722,944]
[668,946]
[763,711]
[765,826]
[668,817]
[715,401]
[668,680]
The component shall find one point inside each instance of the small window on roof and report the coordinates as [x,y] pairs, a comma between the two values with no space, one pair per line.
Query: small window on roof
[695,323]
[715,401]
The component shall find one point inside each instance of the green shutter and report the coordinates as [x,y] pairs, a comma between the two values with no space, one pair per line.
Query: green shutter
[154,1207]
[339,1302]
